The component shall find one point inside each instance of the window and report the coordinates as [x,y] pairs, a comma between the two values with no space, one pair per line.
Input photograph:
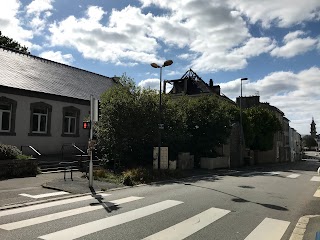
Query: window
[70,126]
[40,119]
[7,116]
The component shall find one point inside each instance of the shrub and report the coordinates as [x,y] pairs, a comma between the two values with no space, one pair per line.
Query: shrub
[9,152]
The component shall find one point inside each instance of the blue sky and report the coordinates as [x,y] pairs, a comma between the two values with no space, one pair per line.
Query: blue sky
[275,43]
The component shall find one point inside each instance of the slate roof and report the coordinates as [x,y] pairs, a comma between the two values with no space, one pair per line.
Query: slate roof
[28,72]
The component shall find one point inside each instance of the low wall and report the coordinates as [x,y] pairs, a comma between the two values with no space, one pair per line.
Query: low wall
[13,168]
[213,163]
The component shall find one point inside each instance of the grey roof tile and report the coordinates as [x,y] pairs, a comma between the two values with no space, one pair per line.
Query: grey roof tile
[32,73]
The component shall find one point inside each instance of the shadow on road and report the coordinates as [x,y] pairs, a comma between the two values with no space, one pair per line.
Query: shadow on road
[108,206]
[242,200]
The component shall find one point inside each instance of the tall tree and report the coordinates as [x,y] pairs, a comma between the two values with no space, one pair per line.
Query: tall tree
[260,125]
[309,141]
[10,43]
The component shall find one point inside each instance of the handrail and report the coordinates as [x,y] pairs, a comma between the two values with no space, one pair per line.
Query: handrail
[73,145]
[78,148]
[32,148]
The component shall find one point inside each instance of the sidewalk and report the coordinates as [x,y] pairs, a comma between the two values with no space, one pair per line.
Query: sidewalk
[78,185]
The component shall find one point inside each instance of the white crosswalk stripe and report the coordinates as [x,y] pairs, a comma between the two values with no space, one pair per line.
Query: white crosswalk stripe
[269,229]
[190,226]
[98,225]
[317,193]
[294,175]
[48,205]
[44,195]
[59,215]
[315,179]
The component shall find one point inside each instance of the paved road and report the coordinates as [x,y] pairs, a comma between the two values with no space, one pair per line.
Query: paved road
[256,204]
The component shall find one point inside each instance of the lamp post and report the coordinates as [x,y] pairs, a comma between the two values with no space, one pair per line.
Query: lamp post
[160,125]
[241,130]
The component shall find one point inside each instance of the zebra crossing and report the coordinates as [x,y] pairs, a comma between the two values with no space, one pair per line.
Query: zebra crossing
[267,229]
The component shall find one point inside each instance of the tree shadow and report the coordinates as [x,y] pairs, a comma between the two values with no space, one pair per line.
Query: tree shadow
[248,187]
[241,200]
[108,206]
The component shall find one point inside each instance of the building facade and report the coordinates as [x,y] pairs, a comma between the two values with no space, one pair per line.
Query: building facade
[43,103]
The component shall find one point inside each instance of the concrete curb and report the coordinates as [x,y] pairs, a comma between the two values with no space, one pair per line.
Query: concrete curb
[301,227]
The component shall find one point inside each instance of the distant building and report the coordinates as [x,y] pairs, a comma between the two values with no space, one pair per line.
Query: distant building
[190,84]
[313,130]
[43,103]
[281,151]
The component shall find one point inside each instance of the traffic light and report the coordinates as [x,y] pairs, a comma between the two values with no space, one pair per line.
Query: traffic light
[86,125]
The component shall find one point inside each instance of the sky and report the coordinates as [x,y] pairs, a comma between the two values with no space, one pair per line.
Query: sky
[274,43]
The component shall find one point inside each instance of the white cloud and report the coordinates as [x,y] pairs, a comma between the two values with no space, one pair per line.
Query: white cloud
[211,30]
[58,57]
[282,13]
[153,83]
[11,25]
[296,94]
[39,11]
[254,47]
[293,45]
[124,39]
[38,6]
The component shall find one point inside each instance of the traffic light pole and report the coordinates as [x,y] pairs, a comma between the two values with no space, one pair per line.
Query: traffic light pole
[90,140]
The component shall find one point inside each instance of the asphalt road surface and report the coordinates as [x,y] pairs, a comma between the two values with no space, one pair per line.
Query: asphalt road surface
[254,204]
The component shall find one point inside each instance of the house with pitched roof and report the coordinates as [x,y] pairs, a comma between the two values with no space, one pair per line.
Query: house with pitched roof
[43,103]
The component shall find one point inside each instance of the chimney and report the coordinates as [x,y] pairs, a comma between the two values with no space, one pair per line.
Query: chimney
[210,83]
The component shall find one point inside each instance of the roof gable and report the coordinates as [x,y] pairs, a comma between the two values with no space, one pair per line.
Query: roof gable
[28,72]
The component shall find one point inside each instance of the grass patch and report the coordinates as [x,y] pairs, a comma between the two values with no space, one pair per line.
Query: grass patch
[139,175]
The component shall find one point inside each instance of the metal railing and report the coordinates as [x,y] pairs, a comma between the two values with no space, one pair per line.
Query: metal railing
[32,148]
[71,145]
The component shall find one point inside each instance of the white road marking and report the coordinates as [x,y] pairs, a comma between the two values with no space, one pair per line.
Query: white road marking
[269,229]
[294,175]
[18,189]
[315,179]
[98,225]
[272,173]
[59,215]
[188,227]
[44,195]
[317,193]
[47,205]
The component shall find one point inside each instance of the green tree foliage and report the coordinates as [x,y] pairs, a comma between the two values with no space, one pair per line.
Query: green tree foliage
[309,141]
[260,125]
[10,43]
[128,128]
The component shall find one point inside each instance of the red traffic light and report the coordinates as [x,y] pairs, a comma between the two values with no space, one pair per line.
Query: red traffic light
[86,125]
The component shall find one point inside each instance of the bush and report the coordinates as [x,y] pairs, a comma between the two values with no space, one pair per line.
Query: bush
[9,152]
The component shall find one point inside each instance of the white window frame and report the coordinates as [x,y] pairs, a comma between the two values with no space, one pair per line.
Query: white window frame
[39,122]
[1,112]
[69,124]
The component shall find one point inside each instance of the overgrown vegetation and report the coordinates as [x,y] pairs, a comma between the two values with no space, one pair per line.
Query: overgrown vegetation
[128,127]
[260,125]
[138,175]
[11,152]
[309,141]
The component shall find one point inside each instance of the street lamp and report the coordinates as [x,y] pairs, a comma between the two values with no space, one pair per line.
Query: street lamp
[160,125]
[241,129]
